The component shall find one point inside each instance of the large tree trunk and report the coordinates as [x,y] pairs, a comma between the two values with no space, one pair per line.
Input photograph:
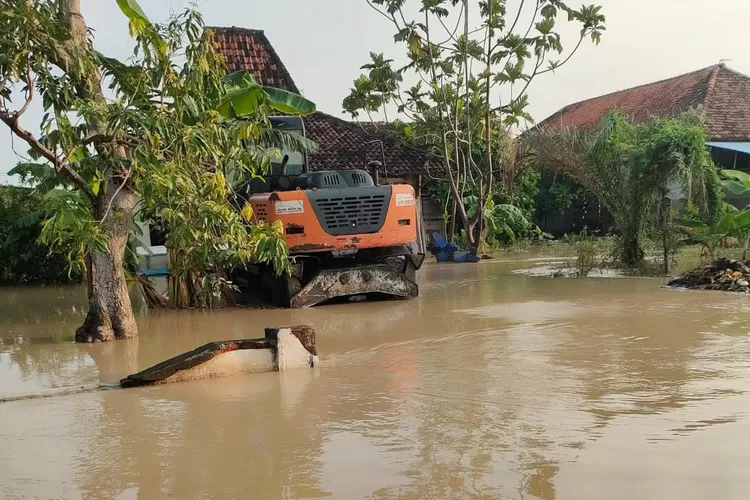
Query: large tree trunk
[632,252]
[110,314]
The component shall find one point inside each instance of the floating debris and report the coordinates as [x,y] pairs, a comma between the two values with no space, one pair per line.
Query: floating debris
[724,274]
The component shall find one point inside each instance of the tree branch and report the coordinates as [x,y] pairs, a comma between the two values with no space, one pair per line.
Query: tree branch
[92,138]
[452,34]
[60,165]
[515,22]
[112,198]
[29,92]
[381,13]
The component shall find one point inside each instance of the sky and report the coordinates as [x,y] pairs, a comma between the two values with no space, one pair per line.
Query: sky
[323,43]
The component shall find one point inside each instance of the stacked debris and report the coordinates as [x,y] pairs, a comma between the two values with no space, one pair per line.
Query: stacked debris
[724,274]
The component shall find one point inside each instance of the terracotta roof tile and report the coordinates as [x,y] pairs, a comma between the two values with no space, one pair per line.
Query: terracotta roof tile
[341,144]
[347,145]
[723,93]
[250,50]
[727,108]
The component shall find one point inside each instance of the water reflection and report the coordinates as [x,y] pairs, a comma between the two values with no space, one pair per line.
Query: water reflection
[490,385]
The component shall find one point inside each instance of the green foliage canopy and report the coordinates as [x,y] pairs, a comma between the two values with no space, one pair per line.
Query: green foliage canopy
[473,63]
[176,131]
[628,167]
[22,258]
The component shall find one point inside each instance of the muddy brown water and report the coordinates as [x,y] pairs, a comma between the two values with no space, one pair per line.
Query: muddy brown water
[491,385]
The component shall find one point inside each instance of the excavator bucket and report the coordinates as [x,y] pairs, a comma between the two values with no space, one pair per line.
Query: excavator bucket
[391,278]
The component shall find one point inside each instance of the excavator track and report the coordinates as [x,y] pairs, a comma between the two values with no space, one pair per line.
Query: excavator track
[394,276]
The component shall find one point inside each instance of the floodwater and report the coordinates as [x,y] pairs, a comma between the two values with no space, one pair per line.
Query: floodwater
[492,384]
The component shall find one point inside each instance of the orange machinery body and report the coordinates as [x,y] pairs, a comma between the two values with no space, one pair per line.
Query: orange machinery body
[305,234]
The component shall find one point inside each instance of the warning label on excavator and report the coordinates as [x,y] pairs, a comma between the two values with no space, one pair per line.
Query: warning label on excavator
[404,199]
[290,207]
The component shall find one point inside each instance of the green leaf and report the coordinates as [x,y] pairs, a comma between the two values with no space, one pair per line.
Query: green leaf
[545,26]
[78,154]
[726,224]
[288,102]
[741,220]
[549,11]
[239,79]
[95,185]
[737,176]
[133,11]
[241,102]
[735,188]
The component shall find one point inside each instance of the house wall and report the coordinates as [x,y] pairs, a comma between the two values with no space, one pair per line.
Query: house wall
[732,160]
[593,217]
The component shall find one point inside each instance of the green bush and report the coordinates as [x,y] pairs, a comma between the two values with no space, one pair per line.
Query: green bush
[585,258]
[22,258]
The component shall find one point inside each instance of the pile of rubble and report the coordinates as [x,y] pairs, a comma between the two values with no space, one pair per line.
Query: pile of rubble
[724,274]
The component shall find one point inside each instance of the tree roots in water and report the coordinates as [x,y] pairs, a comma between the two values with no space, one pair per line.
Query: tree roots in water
[154,300]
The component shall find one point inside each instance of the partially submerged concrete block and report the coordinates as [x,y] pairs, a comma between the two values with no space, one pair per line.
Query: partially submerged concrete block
[294,351]
[286,348]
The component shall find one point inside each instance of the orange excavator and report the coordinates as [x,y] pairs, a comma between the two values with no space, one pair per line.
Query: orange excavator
[347,234]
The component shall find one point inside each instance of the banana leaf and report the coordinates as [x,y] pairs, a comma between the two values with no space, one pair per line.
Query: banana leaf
[738,176]
[245,96]
[735,188]
[288,102]
[132,10]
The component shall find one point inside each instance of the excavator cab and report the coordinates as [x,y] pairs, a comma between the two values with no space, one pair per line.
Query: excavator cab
[347,235]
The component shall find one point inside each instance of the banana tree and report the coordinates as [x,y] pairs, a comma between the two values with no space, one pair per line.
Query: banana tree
[710,237]
[503,222]
[736,186]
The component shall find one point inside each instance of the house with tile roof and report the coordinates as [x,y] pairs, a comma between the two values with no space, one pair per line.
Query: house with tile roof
[721,92]
[341,144]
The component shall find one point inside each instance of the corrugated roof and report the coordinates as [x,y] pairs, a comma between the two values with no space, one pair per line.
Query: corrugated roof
[740,147]
[723,93]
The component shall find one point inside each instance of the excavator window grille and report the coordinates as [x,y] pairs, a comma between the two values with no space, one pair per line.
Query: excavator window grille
[360,214]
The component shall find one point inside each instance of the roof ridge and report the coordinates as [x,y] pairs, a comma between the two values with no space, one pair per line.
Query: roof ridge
[732,70]
[711,85]
[282,66]
[559,111]
[233,28]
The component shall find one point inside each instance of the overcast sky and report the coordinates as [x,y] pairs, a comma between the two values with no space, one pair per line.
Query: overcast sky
[324,42]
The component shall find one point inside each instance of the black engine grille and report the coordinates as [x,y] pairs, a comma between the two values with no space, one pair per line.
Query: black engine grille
[356,214]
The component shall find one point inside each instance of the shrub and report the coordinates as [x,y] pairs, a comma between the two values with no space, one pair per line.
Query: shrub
[22,258]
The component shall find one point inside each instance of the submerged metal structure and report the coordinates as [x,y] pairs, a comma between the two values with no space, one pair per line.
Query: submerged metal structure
[284,348]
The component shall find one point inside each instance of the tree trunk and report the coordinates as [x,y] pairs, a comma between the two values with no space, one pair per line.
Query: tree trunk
[452,232]
[110,314]
[474,236]
[632,253]
[665,208]
[459,205]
